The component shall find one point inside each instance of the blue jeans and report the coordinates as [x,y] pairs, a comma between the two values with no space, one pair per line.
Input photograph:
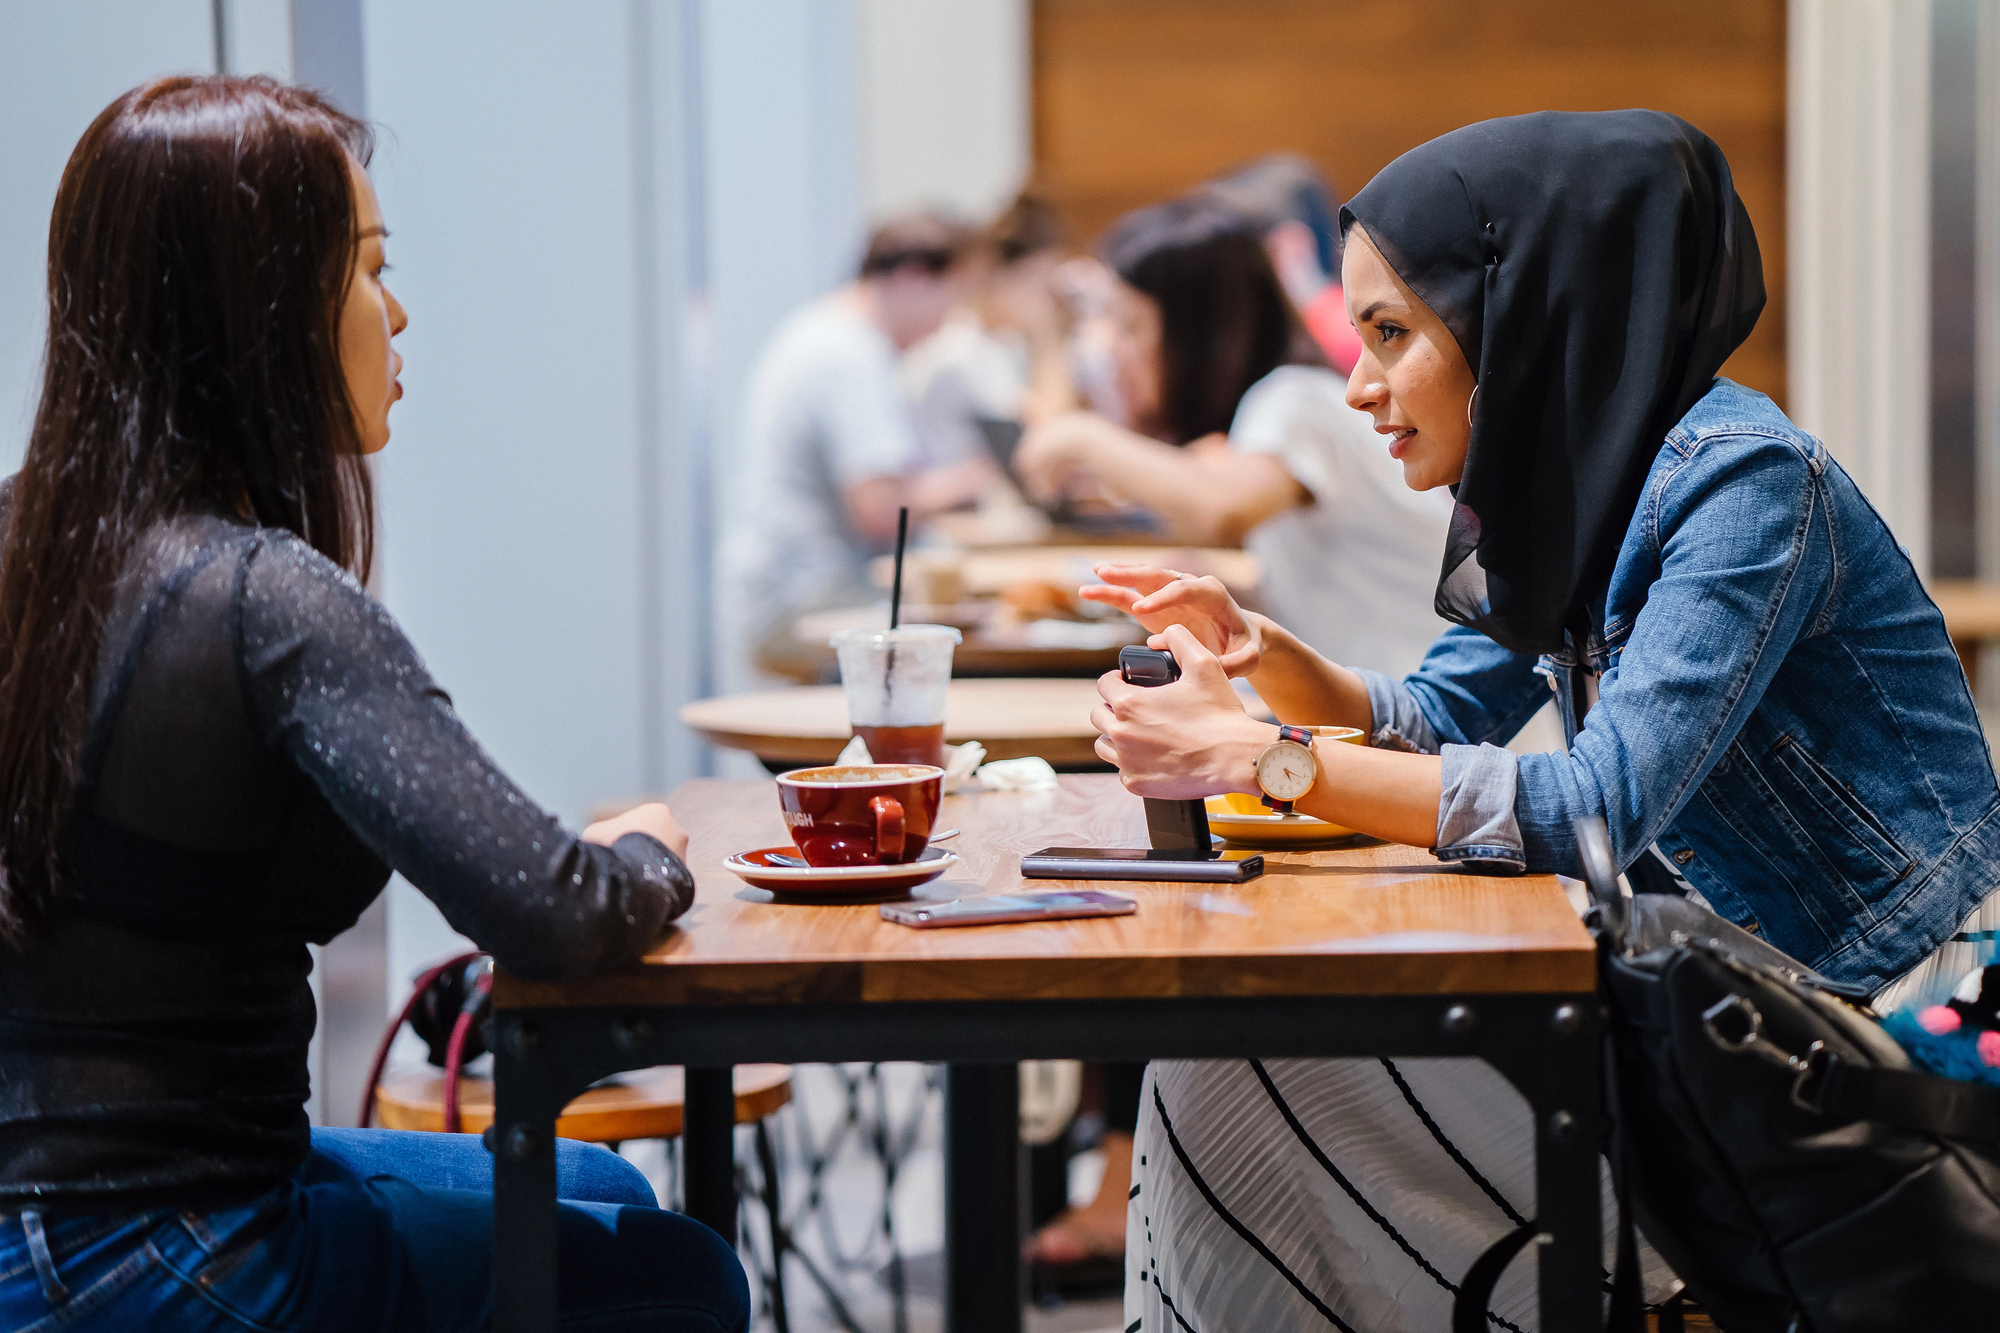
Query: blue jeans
[378,1230]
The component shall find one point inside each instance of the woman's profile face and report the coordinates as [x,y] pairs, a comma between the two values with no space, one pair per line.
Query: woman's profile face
[1412,377]
[1134,324]
[369,318]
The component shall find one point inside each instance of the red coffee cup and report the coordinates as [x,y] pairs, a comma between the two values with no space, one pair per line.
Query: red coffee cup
[862,814]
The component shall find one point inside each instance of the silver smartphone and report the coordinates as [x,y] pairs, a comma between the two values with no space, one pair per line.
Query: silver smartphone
[1000,907]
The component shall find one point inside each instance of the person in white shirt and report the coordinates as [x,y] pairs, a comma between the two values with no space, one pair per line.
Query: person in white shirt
[1001,355]
[829,452]
[1240,435]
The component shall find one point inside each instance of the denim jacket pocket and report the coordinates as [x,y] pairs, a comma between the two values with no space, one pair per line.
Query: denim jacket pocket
[1846,837]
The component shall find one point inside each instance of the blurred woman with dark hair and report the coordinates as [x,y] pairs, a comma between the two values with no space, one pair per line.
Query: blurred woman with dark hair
[214,748]
[1293,207]
[1237,433]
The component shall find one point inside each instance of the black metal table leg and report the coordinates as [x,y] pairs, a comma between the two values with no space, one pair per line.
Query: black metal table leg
[982,1199]
[522,1141]
[708,1126]
[1567,1191]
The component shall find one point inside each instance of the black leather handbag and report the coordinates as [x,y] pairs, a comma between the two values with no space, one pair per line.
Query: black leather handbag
[1774,1143]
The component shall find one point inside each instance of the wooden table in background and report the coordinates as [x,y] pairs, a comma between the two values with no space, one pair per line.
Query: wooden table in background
[985,573]
[807,656]
[808,725]
[1971,616]
[1362,951]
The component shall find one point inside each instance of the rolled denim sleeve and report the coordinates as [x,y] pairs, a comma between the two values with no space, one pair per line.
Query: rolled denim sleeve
[1468,698]
[1476,820]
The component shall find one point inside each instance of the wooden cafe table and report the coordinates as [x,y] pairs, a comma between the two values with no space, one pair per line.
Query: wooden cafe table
[808,723]
[1361,950]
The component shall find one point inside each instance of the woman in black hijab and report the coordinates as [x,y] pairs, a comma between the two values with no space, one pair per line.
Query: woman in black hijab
[1760,699]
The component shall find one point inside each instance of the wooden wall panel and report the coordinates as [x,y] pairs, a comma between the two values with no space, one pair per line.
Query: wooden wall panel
[1137,100]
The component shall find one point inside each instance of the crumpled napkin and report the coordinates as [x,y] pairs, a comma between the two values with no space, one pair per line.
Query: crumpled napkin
[960,761]
[1030,774]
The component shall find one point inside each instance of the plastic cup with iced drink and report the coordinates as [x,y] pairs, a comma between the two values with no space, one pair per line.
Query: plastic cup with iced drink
[895,681]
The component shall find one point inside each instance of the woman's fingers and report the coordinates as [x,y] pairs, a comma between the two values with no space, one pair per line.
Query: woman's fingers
[652,819]
[1186,590]
[1192,654]
[1141,578]
[1122,598]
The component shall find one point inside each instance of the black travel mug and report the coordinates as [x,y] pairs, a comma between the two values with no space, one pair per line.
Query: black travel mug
[1173,826]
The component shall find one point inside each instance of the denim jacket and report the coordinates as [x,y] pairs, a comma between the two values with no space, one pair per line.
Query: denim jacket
[1779,710]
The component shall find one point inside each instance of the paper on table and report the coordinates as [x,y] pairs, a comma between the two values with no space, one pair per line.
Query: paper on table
[1030,774]
[960,762]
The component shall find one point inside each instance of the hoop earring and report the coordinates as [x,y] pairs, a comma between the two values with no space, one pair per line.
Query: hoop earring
[1469,402]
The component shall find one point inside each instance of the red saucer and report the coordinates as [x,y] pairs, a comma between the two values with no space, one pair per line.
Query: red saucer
[777,869]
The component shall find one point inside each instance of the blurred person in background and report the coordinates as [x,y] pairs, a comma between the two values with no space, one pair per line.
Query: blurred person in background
[213,752]
[1290,202]
[830,449]
[1241,435]
[1000,356]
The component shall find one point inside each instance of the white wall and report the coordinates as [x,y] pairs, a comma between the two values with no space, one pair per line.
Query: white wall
[1858,232]
[60,64]
[945,103]
[512,522]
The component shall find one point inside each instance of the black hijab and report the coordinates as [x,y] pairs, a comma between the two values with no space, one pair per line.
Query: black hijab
[1596,269]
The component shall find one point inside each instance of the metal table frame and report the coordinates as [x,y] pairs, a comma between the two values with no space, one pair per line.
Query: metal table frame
[1546,1045]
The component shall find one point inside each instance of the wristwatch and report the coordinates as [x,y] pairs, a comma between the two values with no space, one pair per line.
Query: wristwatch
[1287,769]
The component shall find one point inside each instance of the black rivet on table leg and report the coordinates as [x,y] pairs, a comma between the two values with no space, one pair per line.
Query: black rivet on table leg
[523,1039]
[523,1143]
[1562,1126]
[631,1034]
[1460,1018]
[1568,1018]
[486,1138]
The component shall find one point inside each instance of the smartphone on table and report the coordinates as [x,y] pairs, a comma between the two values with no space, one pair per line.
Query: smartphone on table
[1168,865]
[999,907]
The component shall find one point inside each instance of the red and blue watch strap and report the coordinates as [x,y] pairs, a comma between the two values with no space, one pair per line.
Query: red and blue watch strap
[1303,737]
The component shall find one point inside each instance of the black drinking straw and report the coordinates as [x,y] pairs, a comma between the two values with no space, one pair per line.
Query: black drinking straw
[896,600]
[896,589]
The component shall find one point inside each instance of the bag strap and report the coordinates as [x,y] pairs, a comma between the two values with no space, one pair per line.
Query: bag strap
[1927,1103]
[1600,876]
[1475,1290]
[423,983]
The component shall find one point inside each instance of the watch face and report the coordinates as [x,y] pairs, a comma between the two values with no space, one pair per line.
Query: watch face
[1286,771]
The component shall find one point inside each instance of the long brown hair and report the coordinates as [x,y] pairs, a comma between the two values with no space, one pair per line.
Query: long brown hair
[1225,321]
[199,254]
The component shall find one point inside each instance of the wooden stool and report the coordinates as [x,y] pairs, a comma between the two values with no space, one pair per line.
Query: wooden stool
[643,1104]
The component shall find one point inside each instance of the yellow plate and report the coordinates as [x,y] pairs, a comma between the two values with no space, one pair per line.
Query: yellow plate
[1265,829]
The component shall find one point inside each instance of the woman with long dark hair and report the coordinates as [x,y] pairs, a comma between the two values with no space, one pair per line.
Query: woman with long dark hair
[1760,699]
[1236,433]
[214,748]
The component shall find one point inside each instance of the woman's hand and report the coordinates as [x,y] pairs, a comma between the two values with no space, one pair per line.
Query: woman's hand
[1184,740]
[1052,454]
[1158,598]
[652,819]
